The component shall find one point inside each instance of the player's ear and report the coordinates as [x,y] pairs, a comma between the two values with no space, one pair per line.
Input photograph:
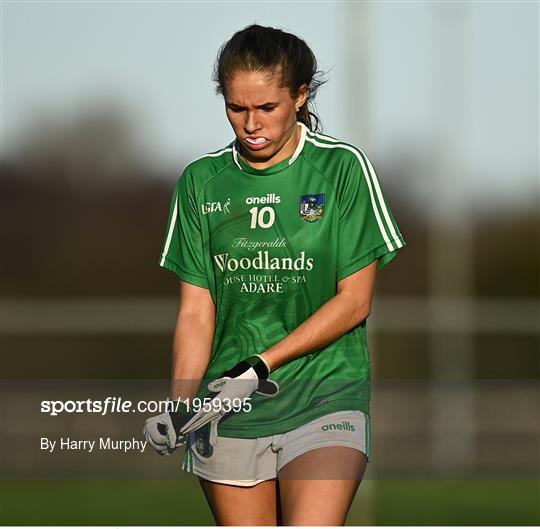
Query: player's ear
[303,94]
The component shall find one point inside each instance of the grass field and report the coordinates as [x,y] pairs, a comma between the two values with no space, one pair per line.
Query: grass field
[181,502]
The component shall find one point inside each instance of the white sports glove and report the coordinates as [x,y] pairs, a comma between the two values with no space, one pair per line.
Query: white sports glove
[240,382]
[165,432]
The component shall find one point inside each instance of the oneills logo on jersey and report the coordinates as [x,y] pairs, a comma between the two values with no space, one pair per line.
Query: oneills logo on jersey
[212,207]
[312,207]
[269,198]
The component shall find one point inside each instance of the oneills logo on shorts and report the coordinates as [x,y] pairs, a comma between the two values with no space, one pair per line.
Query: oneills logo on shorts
[346,425]
[312,207]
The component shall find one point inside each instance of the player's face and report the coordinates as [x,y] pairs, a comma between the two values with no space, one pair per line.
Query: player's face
[258,108]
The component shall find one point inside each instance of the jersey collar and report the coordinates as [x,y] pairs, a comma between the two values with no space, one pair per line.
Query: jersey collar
[296,153]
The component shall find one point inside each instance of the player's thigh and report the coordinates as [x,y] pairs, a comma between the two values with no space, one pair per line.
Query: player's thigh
[318,486]
[236,505]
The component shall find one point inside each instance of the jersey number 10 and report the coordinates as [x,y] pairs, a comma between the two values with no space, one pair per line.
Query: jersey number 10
[263,217]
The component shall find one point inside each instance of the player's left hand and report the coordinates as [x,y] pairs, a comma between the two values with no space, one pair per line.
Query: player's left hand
[235,385]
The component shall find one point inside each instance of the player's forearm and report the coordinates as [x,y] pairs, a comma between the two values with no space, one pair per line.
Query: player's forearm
[331,321]
[192,349]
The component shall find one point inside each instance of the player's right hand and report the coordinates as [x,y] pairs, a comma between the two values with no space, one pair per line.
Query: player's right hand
[163,431]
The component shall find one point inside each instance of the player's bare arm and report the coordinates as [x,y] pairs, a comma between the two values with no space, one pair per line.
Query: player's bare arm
[193,337]
[192,346]
[349,307]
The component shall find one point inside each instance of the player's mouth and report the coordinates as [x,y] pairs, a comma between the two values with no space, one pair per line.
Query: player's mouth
[256,143]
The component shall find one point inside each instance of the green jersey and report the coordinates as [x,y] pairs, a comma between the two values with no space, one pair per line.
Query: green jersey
[270,245]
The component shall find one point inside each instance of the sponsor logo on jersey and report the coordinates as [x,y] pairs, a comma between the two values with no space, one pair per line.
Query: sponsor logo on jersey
[346,425]
[212,207]
[270,198]
[242,242]
[312,207]
[263,261]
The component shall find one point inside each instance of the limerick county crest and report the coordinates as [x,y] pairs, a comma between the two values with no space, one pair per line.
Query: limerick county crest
[312,207]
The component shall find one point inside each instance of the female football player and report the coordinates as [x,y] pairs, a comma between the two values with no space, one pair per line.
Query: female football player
[276,239]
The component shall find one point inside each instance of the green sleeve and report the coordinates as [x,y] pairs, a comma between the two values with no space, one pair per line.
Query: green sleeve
[367,228]
[183,246]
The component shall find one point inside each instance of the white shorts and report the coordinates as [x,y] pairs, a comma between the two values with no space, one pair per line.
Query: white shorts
[246,462]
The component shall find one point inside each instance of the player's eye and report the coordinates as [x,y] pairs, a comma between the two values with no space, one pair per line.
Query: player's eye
[238,110]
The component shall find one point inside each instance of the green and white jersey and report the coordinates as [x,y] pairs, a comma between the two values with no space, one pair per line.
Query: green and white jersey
[270,245]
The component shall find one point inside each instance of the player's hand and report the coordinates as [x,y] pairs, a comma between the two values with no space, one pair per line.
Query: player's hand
[164,432]
[235,385]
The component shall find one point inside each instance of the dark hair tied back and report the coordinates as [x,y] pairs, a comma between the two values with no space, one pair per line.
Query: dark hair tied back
[267,49]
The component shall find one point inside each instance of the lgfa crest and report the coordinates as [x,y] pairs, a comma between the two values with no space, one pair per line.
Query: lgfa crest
[312,207]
